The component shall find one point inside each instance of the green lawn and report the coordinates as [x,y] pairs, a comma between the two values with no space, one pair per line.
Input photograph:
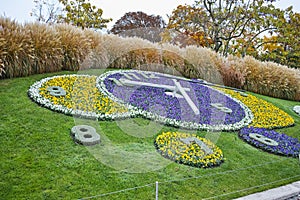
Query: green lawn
[39,159]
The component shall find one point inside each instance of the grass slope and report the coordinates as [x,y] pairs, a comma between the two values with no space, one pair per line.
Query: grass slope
[39,160]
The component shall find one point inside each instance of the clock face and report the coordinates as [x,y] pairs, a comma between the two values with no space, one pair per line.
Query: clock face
[175,100]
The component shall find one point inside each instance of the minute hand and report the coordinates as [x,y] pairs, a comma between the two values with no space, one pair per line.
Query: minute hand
[187,97]
[138,83]
[176,88]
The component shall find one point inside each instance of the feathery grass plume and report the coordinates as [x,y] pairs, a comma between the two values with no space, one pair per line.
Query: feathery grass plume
[135,58]
[237,63]
[95,57]
[16,51]
[74,44]
[47,52]
[170,47]
[105,52]
[251,67]
[176,62]
[113,47]
[231,71]
[94,38]
[98,58]
[2,54]
[285,82]
[153,59]
[231,77]
[203,60]
[271,79]
[110,48]
[121,46]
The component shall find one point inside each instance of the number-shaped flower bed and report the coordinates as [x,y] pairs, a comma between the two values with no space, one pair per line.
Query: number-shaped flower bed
[271,141]
[188,149]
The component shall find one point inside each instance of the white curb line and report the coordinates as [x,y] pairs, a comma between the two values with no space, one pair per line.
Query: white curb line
[279,193]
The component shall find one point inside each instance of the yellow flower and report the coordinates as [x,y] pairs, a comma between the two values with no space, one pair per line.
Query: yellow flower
[81,94]
[266,115]
[171,145]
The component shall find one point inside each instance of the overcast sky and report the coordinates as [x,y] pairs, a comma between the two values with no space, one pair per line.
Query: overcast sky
[115,9]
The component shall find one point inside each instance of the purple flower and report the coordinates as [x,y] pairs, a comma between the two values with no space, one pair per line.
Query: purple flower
[165,101]
[286,145]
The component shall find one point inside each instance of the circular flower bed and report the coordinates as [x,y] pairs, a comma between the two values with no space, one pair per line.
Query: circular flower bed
[271,141]
[266,115]
[76,95]
[188,149]
[174,100]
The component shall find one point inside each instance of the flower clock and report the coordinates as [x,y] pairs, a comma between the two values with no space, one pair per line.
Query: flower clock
[271,141]
[168,99]
[175,100]
[188,149]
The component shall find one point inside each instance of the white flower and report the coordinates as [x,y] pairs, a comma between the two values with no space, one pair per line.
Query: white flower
[173,122]
[34,94]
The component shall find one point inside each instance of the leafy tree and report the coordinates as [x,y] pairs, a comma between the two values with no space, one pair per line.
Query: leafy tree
[223,22]
[284,46]
[139,24]
[183,29]
[82,14]
[46,11]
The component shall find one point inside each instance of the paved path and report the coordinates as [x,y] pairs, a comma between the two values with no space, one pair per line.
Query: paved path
[286,192]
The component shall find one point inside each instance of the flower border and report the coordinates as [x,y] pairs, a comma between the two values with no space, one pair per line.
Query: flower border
[287,146]
[171,146]
[173,122]
[33,93]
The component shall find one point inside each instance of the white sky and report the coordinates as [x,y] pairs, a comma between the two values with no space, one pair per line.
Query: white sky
[115,9]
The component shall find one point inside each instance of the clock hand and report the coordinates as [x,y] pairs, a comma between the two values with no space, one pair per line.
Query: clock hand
[175,88]
[186,96]
[138,83]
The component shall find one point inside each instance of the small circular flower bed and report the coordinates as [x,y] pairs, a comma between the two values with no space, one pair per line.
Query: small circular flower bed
[188,149]
[266,115]
[271,141]
[76,95]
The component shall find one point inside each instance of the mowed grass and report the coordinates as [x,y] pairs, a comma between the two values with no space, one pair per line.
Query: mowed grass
[39,159]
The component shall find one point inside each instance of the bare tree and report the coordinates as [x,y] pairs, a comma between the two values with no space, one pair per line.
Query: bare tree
[46,11]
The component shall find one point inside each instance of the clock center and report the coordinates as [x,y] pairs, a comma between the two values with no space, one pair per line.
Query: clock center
[176,90]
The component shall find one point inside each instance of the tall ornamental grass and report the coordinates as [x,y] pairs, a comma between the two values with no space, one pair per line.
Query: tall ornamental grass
[75,45]
[35,48]
[265,78]
[271,79]
[46,50]
[16,49]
